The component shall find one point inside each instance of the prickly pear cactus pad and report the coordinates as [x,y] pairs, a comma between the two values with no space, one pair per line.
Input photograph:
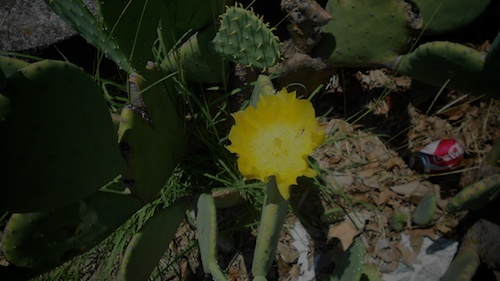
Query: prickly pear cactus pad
[133,25]
[44,240]
[194,14]
[244,38]
[4,107]
[182,16]
[367,33]
[58,143]
[151,134]
[441,16]
[350,266]
[76,14]
[437,62]
[10,66]
[196,60]
[150,243]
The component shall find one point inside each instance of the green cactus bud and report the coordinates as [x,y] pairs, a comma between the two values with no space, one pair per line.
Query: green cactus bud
[150,242]
[263,86]
[476,195]
[76,14]
[44,240]
[459,67]
[244,38]
[422,215]
[58,143]
[151,134]
[364,33]
[351,264]
[333,215]
[398,220]
[442,16]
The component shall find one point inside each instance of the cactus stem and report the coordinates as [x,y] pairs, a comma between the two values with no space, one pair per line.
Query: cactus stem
[272,219]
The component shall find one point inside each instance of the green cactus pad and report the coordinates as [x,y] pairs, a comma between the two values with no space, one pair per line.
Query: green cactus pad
[76,14]
[442,16]
[351,264]
[196,60]
[182,17]
[133,24]
[152,134]
[272,219]
[58,144]
[150,242]
[467,260]
[206,226]
[367,33]
[194,14]
[4,107]
[476,195]
[10,66]
[3,79]
[14,273]
[492,60]
[422,215]
[437,62]
[244,38]
[44,240]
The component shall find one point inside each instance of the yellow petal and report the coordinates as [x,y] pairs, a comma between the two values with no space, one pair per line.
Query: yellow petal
[274,139]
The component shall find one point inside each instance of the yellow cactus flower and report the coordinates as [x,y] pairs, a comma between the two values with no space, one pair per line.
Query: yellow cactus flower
[274,139]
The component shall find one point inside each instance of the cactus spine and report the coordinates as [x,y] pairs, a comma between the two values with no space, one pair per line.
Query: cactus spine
[243,38]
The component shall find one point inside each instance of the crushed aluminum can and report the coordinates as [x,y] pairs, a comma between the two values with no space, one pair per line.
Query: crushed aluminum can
[436,157]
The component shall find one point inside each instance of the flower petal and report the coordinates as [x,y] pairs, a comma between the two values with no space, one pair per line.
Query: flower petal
[274,139]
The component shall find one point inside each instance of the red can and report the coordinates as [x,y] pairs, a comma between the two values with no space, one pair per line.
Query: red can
[436,157]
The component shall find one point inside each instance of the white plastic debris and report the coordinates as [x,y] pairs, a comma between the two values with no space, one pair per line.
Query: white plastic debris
[433,261]
[301,243]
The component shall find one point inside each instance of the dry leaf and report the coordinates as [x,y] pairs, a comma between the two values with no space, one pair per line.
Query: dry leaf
[345,232]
